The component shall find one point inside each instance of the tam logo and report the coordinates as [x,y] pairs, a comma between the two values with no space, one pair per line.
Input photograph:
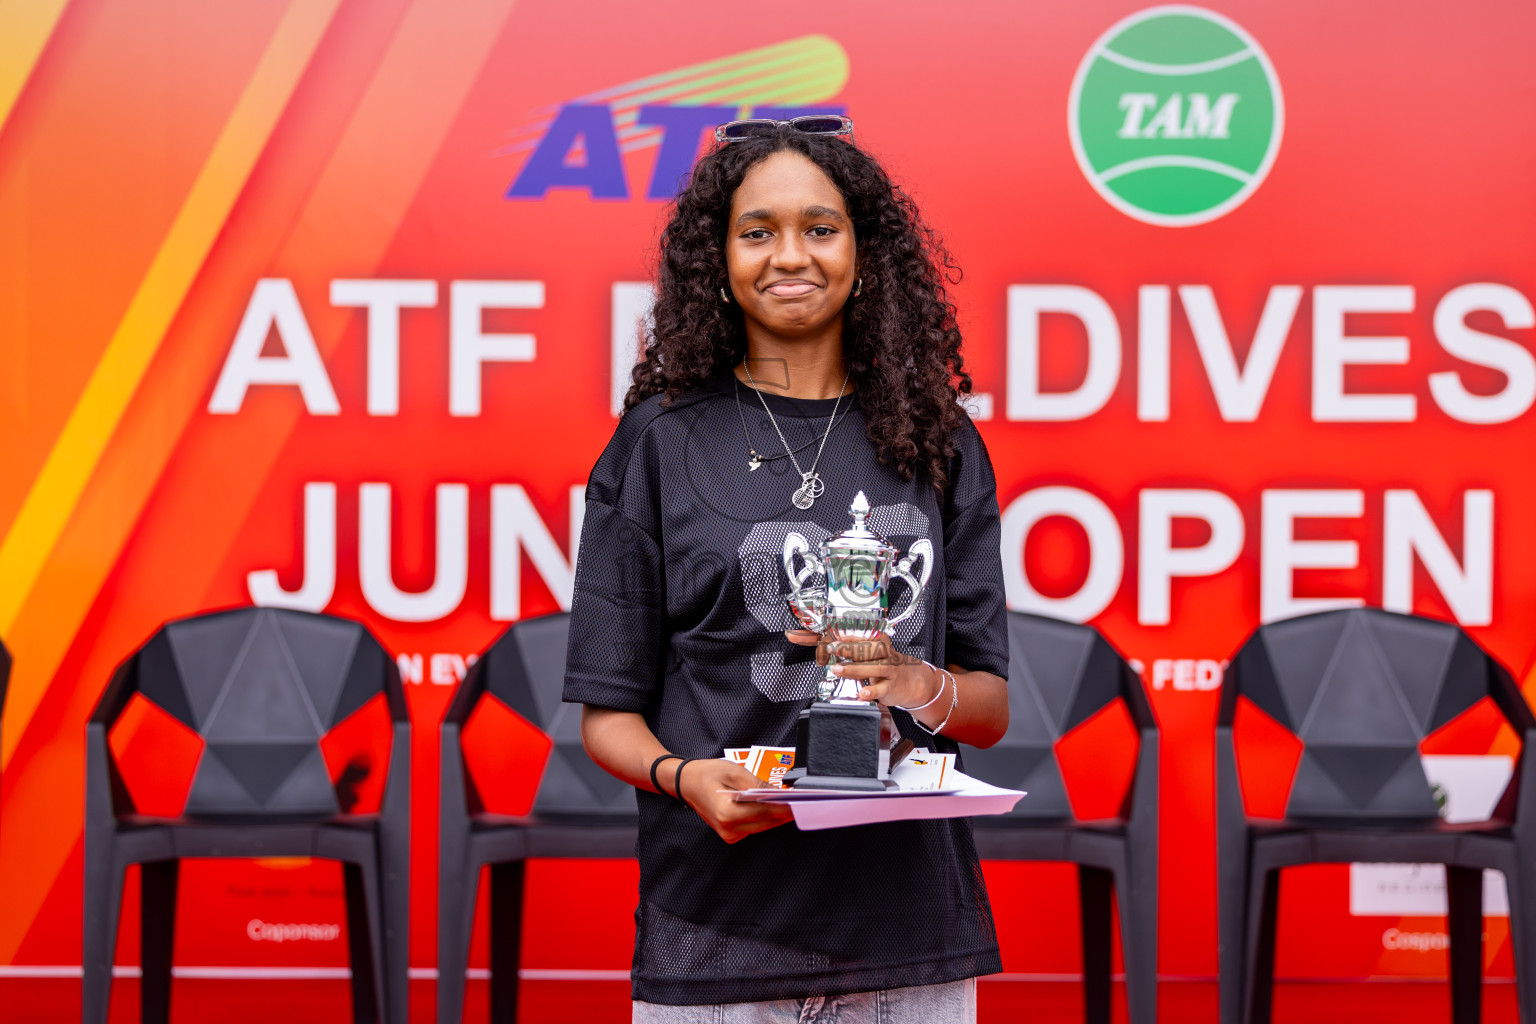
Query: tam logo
[581,148]
[1175,115]
[1206,120]
[581,144]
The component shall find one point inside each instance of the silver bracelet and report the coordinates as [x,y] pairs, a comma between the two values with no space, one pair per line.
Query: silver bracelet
[936,696]
[954,702]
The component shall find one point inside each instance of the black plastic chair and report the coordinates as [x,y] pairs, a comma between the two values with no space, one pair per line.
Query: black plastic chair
[1361,688]
[1059,675]
[580,811]
[5,675]
[261,686]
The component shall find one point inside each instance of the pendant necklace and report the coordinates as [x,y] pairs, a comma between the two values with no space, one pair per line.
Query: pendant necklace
[811,486]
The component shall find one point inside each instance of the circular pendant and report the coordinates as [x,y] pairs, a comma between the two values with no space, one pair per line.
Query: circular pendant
[809,490]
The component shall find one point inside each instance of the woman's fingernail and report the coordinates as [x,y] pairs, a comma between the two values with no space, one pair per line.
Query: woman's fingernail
[837,670]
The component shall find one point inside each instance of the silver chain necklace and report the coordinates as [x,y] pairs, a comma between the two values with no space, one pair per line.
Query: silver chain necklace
[811,486]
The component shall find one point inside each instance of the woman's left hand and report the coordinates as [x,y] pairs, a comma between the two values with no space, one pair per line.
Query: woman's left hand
[887,675]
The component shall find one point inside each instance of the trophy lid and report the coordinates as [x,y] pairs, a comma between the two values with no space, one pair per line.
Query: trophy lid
[858,536]
[859,510]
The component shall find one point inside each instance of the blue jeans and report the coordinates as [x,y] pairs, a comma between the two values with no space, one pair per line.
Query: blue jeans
[950,1003]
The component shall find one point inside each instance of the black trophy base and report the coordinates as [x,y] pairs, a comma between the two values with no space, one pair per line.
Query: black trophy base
[838,747]
[842,783]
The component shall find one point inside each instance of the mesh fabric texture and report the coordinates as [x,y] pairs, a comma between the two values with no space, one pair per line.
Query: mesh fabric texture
[678,614]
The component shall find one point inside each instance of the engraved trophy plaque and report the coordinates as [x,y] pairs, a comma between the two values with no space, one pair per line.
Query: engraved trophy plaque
[843,742]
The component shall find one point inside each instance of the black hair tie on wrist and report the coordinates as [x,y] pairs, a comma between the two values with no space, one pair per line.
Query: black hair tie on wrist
[677,780]
[657,764]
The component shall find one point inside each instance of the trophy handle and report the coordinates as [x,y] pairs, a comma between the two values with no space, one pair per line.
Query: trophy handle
[796,544]
[809,609]
[921,550]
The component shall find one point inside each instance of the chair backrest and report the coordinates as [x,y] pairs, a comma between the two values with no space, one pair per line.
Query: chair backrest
[1059,675]
[525,670]
[262,686]
[1361,688]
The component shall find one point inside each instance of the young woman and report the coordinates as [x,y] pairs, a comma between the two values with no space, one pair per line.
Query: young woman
[803,349]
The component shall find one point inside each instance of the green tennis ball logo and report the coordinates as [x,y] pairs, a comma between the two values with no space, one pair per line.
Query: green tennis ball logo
[1175,115]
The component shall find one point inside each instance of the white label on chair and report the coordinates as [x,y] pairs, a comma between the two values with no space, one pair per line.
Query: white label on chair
[1414,890]
[1472,785]
[1472,788]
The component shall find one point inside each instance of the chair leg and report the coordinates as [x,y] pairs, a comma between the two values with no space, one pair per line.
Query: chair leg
[1095,893]
[1521,884]
[458,886]
[1464,892]
[506,938]
[361,944]
[103,903]
[157,888]
[395,917]
[1136,895]
[1263,918]
[1232,925]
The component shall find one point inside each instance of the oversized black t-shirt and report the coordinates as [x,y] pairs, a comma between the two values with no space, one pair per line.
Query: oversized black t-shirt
[679,615]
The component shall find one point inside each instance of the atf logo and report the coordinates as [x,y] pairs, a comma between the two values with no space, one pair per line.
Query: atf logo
[582,144]
[1175,115]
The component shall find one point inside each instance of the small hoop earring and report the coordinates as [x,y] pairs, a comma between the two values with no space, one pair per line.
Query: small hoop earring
[858,287]
[724,297]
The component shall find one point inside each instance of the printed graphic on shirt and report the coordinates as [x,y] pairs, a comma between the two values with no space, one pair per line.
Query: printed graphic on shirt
[764,584]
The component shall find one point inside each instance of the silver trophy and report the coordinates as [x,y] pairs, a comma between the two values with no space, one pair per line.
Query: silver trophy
[844,742]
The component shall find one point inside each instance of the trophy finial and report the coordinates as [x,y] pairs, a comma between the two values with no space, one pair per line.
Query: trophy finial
[859,509]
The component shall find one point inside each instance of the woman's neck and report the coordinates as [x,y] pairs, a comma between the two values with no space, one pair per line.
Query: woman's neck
[797,368]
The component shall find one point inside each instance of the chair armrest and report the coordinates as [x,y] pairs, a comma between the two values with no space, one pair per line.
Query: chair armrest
[1137,704]
[1229,788]
[1141,798]
[1518,803]
[397,783]
[467,695]
[105,795]
[1226,713]
[5,675]
[1141,802]
[453,794]
[120,689]
[1511,702]
[1519,800]
[394,693]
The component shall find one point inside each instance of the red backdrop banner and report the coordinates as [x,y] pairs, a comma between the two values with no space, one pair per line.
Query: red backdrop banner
[325,304]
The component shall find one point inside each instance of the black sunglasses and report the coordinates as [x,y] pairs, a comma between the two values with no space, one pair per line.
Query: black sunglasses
[765,127]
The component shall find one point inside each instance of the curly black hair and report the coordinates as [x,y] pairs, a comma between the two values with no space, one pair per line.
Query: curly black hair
[901,344]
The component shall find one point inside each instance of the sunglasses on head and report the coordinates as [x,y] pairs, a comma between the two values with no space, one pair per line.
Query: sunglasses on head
[766,127]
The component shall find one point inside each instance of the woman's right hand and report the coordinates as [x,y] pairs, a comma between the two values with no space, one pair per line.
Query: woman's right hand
[702,783]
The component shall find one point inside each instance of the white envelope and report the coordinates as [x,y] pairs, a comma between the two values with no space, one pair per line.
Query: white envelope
[960,797]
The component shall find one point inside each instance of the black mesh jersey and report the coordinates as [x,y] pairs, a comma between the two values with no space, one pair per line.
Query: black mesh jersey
[679,614]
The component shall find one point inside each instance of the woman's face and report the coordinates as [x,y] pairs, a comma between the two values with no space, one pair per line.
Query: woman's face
[790,255]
